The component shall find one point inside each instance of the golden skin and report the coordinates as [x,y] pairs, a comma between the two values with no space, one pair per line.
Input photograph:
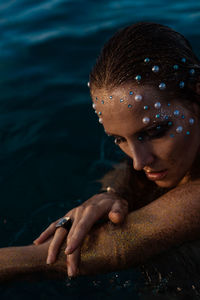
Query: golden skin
[152,153]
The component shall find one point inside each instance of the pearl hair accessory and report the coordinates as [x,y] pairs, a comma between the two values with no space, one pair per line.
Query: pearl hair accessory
[88,84]
[100,120]
[145,120]
[94,105]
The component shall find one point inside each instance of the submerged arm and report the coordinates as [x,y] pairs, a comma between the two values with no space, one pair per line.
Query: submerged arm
[168,221]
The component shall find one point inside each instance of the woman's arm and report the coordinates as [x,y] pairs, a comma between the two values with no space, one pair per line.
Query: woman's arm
[166,222]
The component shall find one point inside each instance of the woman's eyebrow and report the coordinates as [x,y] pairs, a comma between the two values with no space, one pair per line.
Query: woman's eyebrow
[145,128]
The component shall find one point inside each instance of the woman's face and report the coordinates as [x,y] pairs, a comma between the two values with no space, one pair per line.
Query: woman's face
[156,131]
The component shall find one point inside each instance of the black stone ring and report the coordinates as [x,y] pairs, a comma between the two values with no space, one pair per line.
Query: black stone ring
[65,223]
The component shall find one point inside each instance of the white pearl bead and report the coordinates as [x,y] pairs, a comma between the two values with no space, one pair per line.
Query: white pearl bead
[145,120]
[88,84]
[179,129]
[94,105]
[100,120]
[138,98]
[155,69]
[191,121]
[157,105]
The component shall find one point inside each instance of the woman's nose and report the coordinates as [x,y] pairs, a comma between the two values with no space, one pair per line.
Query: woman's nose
[141,156]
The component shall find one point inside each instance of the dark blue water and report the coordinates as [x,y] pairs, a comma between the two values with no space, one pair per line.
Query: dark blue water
[52,147]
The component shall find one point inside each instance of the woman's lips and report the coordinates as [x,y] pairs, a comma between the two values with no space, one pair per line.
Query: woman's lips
[156,175]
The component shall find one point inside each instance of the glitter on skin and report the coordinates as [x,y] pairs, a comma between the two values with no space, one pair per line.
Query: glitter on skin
[129,106]
[100,113]
[121,100]
[146,107]
[102,102]
[110,97]
[130,93]
[157,116]
[183,60]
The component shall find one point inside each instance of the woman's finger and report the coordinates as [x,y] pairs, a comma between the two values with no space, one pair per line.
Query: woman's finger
[73,262]
[83,221]
[55,244]
[118,211]
[46,234]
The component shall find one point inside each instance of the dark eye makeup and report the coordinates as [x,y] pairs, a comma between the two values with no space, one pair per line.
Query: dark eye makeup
[156,131]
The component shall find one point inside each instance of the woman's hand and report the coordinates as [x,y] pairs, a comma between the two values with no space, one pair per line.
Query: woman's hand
[83,217]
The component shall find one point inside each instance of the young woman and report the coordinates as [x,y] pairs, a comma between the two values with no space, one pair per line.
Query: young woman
[145,88]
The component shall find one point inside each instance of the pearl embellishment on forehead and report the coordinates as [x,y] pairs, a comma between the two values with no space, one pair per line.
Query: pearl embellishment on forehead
[192,71]
[147,60]
[176,67]
[162,86]
[138,98]
[94,105]
[138,77]
[191,121]
[157,105]
[155,69]
[179,129]
[145,120]
[176,113]
[100,120]
[181,84]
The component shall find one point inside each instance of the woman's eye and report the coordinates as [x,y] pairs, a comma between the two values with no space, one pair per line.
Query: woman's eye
[158,131]
[118,140]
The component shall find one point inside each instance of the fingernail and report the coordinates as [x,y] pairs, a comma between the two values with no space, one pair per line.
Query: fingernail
[49,260]
[69,271]
[68,250]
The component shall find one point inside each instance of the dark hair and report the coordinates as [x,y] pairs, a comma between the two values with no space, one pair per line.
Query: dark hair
[122,58]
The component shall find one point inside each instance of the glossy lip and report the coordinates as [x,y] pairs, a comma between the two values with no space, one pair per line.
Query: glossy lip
[156,175]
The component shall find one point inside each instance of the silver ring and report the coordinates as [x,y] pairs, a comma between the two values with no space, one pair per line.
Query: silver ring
[65,223]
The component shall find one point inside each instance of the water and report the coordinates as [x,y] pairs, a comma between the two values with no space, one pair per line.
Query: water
[52,147]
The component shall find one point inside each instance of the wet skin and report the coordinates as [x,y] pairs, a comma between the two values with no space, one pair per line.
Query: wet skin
[156,146]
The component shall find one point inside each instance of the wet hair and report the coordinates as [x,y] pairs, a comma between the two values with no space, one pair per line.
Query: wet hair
[122,58]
